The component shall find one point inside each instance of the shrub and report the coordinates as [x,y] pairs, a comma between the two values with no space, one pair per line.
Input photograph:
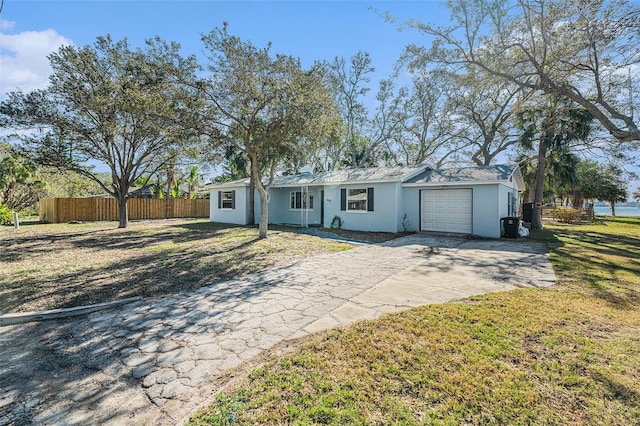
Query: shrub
[336,222]
[567,214]
[5,215]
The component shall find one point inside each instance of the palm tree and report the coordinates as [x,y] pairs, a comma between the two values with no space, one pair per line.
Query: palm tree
[553,127]
[562,173]
[192,180]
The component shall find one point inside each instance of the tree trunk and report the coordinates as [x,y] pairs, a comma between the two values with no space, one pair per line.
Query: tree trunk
[531,193]
[577,202]
[122,211]
[536,217]
[613,208]
[171,181]
[252,199]
[263,226]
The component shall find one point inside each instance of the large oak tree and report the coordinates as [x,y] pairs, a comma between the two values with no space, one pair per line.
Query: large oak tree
[111,104]
[586,51]
[265,106]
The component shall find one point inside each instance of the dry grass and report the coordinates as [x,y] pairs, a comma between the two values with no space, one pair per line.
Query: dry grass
[569,354]
[46,266]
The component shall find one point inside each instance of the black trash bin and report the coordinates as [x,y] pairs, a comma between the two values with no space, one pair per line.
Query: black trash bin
[527,212]
[510,226]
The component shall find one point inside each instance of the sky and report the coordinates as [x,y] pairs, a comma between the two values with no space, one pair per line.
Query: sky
[309,30]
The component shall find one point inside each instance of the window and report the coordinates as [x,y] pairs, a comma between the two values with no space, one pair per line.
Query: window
[227,200]
[512,203]
[356,199]
[297,201]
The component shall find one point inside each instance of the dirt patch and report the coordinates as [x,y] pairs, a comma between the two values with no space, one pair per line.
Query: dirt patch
[372,237]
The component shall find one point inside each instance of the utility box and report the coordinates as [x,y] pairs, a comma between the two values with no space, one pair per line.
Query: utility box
[510,226]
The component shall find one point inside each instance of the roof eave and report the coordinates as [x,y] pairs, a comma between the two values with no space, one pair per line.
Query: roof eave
[415,173]
[519,179]
[224,185]
[457,183]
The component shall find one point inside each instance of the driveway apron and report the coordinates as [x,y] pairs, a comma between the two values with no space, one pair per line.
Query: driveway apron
[154,361]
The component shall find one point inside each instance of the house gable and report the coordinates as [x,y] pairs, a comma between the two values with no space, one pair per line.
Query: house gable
[480,175]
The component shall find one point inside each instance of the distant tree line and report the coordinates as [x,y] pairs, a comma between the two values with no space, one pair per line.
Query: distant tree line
[545,83]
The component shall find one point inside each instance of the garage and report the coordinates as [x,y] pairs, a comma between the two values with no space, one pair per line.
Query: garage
[446,210]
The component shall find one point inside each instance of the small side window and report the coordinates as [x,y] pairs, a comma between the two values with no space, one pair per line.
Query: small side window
[227,200]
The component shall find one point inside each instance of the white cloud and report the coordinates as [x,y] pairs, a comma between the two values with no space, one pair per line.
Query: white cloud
[6,25]
[24,59]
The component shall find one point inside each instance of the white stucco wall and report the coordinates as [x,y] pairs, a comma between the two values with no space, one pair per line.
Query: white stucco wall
[410,202]
[238,215]
[486,211]
[383,218]
[280,212]
[490,203]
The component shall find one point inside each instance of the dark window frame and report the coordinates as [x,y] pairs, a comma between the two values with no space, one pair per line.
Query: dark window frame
[346,202]
[227,200]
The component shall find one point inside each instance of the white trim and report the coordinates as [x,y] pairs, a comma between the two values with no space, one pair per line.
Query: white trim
[465,183]
[230,200]
[309,200]
[341,183]
[225,186]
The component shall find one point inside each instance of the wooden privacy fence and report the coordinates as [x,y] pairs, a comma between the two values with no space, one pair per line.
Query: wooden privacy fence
[62,210]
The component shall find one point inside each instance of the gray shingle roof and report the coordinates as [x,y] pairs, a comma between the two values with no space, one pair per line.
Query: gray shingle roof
[412,175]
[464,174]
[377,174]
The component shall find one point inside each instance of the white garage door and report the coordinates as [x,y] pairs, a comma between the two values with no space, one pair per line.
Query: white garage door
[447,210]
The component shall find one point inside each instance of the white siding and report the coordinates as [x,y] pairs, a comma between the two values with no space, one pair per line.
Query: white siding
[486,211]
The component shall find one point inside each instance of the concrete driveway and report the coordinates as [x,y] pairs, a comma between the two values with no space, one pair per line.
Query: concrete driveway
[154,361]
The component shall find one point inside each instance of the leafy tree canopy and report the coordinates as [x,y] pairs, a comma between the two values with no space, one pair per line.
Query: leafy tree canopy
[599,182]
[262,105]
[19,184]
[582,50]
[107,102]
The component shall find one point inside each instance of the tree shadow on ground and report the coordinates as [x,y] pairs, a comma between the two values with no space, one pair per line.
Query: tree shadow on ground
[595,267]
[80,370]
[104,265]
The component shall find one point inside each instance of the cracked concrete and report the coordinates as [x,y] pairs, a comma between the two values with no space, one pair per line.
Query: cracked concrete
[153,361]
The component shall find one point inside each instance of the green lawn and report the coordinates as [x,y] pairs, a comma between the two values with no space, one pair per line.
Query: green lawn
[569,354]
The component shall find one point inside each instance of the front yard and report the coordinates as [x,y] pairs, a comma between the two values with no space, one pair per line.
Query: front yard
[569,354]
[47,266]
